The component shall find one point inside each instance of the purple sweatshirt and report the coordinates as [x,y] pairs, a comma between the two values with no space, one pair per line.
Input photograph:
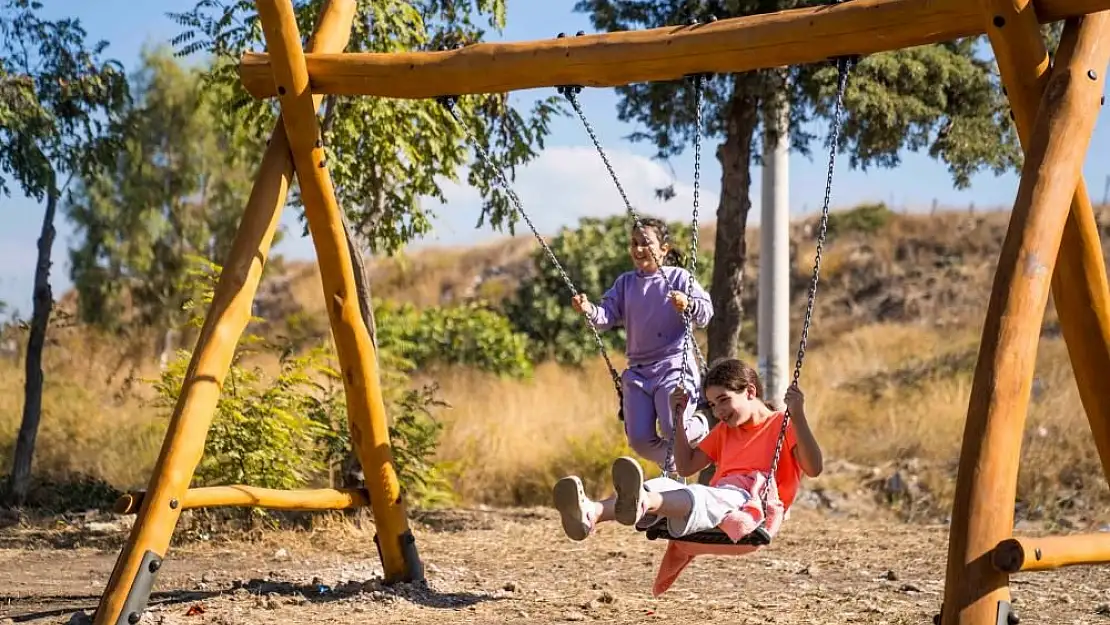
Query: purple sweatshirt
[654,329]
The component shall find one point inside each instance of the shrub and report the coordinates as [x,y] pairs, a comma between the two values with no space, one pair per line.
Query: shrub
[263,432]
[863,219]
[288,431]
[470,335]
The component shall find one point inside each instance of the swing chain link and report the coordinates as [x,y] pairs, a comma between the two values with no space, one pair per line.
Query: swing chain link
[688,314]
[449,103]
[844,66]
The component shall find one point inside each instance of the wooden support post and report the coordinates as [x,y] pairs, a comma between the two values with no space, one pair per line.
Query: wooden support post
[128,589]
[784,38]
[1079,285]
[355,350]
[983,510]
[240,496]
[1051,552]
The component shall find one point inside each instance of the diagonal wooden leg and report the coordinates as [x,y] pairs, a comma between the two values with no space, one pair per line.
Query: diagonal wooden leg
[128,589]
[1082,296]
[365,406]
[983,510]
[1079,285]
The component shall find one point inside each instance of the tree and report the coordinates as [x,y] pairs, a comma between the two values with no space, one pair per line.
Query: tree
[939,97]
[57,97]
[387,155]
[175,190]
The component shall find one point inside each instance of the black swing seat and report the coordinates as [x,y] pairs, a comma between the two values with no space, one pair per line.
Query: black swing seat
[758,538]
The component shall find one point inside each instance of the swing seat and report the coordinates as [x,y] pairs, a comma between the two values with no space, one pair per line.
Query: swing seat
[759,537]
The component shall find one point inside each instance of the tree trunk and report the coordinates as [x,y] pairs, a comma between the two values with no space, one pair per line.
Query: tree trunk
[43,301]
[362,281]
[727,287]
[731,253]
[362,284]
[167,348]
[350,471]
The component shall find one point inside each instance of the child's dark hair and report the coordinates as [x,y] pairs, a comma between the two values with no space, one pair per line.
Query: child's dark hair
[673,257]
[735,375]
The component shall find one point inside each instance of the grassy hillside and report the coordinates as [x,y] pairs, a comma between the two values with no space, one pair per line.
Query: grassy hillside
[893,347]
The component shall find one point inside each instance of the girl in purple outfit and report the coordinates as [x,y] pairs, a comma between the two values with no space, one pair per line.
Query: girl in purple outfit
[649,302]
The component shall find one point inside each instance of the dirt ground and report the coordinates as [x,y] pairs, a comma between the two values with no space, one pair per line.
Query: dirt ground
[514,566]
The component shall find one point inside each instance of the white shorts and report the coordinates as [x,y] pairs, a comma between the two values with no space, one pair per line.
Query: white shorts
[710,505]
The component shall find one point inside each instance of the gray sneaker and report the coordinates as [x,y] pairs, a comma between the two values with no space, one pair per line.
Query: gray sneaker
[574,508]
[628,481]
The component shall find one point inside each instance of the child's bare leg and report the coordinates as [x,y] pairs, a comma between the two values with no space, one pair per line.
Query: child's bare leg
[671,503]
[604,509]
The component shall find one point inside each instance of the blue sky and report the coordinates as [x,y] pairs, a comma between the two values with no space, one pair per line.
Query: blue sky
[568,181]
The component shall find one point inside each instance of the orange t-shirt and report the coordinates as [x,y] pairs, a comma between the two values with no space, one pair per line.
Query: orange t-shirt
[749,448]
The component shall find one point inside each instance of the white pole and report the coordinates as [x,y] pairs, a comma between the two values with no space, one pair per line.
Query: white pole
[773,320]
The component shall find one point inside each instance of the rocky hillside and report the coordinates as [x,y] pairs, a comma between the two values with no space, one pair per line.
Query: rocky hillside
[876,267]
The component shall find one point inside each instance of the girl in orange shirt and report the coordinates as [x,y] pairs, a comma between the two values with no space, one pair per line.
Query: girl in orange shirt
[741,445]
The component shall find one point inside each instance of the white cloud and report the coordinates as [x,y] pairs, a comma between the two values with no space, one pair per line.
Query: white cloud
[567,183]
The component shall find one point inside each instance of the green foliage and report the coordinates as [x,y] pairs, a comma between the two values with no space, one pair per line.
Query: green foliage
[594,255]
[290,430]
[385,154]
[176,189]
[938,97]
[863,219]
[264,432]
[57,98]
[415,434]
[469,335]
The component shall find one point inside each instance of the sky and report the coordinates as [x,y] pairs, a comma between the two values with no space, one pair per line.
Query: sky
[566,182]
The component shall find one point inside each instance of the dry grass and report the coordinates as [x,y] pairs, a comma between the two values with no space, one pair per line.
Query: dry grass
[879,393]
[507,441]
[88,425]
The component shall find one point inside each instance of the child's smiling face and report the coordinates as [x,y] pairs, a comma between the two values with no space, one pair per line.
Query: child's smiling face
[644,248]
[730,407]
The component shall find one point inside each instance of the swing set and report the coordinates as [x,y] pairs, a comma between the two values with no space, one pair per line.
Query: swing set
[1052,244]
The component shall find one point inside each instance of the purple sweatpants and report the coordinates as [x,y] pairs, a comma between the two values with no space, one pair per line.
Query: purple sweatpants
[648,422]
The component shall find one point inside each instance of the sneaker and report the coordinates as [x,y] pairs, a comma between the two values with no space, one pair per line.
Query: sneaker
[574,507]
[628,481]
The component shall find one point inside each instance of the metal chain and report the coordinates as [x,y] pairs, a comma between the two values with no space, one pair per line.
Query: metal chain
[688,316]
[449,104]
[844,66]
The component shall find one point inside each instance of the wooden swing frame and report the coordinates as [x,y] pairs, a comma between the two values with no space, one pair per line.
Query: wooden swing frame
[1052,244]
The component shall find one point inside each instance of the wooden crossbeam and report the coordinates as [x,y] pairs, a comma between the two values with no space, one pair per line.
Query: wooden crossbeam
[983,512]
[796,36]
[354,348]
[239,496]
[227,317]
[1051,552]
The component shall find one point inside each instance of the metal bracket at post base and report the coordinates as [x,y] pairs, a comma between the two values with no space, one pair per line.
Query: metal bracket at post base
[139,594]
[1006,615]
[414,568]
